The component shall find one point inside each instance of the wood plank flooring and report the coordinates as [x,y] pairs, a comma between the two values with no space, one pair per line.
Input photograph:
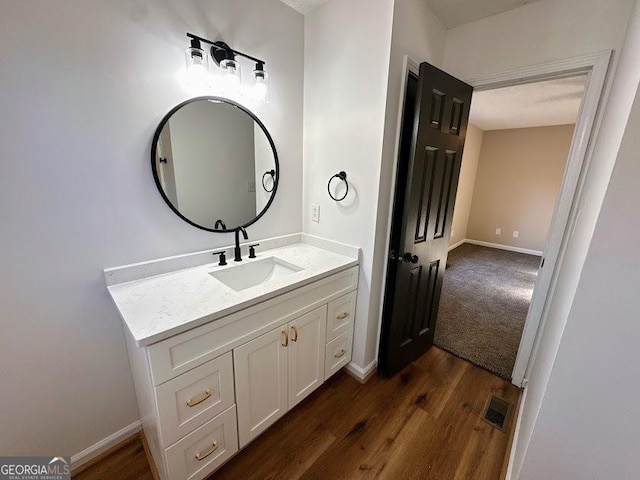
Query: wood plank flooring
[128,462]
[424,423]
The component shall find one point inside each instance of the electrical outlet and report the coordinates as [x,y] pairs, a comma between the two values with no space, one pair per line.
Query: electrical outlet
[498,231]
[516,234]
[315,213]
[251,186]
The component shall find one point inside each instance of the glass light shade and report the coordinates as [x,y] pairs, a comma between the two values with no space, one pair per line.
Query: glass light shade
[230,81]
[197,68]
[260,86]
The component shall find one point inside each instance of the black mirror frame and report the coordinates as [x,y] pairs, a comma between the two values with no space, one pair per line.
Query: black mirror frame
[156,177]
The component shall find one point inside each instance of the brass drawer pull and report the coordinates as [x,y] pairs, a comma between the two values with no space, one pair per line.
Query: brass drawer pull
[294,337]
[201,456]
[340,353]
[343,315]
[285,338]
[199,399]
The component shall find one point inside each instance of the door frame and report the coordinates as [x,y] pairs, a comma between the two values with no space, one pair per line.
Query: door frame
[595,66]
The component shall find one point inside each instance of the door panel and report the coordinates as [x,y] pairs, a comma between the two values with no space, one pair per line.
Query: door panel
[428,173]
[261,383]
[307,347]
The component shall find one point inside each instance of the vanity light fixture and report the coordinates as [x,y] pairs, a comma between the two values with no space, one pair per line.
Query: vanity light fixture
[225,78]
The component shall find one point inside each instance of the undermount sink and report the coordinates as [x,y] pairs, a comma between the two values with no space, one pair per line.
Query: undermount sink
[247,275]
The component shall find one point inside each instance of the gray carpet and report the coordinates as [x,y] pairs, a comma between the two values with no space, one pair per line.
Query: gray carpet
[483,307]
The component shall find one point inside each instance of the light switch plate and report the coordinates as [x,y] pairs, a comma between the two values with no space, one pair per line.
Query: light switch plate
[498,231]
[315,213]
[516,234]
[251,186]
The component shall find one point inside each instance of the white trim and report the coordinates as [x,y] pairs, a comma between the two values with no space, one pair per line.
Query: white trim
[105,444]
[457,244]
[408,65]
[503,247]
[516,432]
[362,374]
[536,73]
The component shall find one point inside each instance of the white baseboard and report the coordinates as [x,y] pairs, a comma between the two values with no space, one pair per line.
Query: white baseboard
[105,444]
[457,244]
[516,432]
[503,247]
[361,374]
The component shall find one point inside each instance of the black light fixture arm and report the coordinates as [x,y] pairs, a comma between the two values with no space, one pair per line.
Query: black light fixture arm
[223,46]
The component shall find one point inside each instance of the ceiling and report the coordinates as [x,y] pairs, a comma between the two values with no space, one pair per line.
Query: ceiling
[551,102]
[453,13]
[305,6]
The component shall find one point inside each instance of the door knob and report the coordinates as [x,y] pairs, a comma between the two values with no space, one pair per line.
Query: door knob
[407,257]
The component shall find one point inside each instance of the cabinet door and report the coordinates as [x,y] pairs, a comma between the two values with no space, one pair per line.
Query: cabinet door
[306,354]
[261,383]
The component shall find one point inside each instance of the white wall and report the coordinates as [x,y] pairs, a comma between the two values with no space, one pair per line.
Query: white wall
[83,87]
[347,44]
[466,184]
[580,418]
[535,33]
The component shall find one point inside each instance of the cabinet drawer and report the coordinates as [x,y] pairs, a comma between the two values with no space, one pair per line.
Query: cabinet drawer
[176,355]
[338,353]
[204,450]
[341,315]
[195,397]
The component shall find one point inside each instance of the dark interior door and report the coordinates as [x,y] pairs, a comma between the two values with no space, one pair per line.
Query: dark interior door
[433,132]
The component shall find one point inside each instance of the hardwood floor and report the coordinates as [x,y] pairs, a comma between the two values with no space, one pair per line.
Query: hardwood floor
[128,462]
[424,423]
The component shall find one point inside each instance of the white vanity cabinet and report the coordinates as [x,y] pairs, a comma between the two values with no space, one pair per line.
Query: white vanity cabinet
[277,370]
[205,393]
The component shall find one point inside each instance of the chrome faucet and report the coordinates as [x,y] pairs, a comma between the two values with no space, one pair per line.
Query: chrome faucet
[236,251]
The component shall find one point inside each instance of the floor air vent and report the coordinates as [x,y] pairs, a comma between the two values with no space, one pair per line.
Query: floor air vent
[497,412]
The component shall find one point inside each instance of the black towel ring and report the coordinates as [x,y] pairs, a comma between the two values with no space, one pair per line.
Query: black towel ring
[273,176]
[342,176]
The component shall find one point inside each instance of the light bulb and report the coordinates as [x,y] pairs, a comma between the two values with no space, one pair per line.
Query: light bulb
[230,77]
[197,76]
[197,67]
[260,85]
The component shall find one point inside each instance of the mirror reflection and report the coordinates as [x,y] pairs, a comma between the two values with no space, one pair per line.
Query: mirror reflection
[215,164]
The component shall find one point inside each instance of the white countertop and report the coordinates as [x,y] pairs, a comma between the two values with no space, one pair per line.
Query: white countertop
[164,305]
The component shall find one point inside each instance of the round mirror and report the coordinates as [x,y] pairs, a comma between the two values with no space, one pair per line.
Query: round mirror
[215,164]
